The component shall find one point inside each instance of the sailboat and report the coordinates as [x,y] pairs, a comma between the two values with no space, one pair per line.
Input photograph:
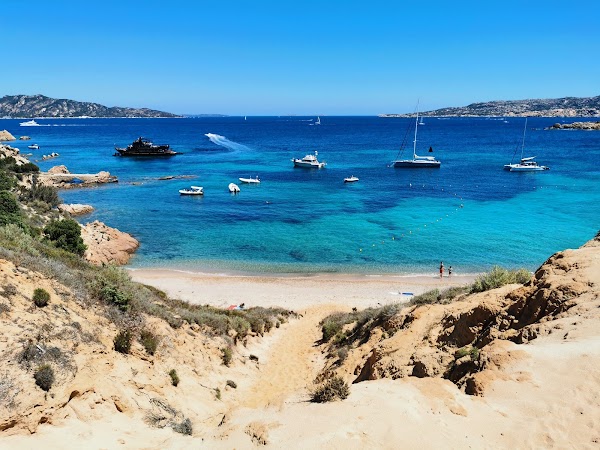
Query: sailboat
[421,121]
[417,161]
[525,164]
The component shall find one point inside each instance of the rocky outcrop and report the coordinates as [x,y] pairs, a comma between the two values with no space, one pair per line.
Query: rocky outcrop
[106,245]
[587,126]
[75,209]
[24,138]
[558,107]
[61,178]
[6,136]
[461,341]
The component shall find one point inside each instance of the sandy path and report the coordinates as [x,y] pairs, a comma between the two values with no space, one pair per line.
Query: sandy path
[292,363]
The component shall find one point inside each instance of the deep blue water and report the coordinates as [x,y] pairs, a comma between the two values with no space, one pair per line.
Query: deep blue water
[298,220]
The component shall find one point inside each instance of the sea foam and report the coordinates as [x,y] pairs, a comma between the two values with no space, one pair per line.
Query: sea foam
[224,142]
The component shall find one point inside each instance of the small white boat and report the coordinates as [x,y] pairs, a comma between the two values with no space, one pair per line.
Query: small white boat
[351,179]
[309,161]
[525,164]
[234,188]
[193,190]
[250,180]
[317,122]
[33,147]
[30,123]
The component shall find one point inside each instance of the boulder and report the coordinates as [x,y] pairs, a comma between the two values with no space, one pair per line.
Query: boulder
[6,136]
[106,245]
[58,169]
[75,209]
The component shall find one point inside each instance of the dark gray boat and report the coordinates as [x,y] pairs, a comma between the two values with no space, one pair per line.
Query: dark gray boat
[144,147]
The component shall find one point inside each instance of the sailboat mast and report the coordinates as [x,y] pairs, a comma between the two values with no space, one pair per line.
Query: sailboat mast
[415,141]
[523,143]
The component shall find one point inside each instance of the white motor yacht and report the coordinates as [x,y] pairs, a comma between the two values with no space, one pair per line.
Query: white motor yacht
[33,147]
[309,161]
[250,180]
[30,123]
[351,179]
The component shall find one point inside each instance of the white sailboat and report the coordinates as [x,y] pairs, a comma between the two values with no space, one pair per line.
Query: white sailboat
[417,161]
[525,164]
[421,122]
[318,122]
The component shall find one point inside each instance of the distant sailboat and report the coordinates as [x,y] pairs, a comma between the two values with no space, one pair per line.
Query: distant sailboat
[421,121]
[318,122]
[245,118]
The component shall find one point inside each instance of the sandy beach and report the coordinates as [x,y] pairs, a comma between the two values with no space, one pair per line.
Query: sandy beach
[292,292]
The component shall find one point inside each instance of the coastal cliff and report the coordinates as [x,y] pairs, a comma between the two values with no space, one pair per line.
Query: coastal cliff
[559,107]
[25,106]
[6,136]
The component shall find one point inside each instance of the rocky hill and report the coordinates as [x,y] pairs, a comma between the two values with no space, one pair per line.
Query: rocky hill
[558,107]
[25,106]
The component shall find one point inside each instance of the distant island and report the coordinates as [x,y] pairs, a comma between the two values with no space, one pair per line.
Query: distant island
[24,106]
[558,107]
[575,126]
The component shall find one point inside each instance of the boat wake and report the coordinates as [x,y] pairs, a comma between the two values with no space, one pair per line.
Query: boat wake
[224,142]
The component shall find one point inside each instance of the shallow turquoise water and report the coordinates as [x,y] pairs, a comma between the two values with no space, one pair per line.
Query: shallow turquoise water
[296,220]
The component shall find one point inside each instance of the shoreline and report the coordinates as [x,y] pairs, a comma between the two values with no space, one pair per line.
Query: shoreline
[295,291]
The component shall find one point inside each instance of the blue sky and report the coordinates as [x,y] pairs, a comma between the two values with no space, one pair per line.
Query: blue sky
[303,57]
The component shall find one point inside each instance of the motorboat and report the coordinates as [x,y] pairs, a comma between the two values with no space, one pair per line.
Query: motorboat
[351,179]
[417,161]
[30,123]
[192,190]
[144,147]
[525,164]
[33,147]
[250,180]
[233,188]
[309,161]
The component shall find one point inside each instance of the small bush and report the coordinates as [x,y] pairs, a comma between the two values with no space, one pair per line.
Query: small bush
[9,291]
[123,342]
[44,377]
[218,394]
[253,358]
[333,389]
[499,277]
[41,297]
[473,352]
[232,384]
[226,356]
[330,328]
[41,193]
[174,377]
[183,427]
[66,234]
[342,354]
[150,341]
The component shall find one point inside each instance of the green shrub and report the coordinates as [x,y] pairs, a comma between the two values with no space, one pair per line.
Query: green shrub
[333,389]
[41,297]
[330,328]
[66,234]
[473,352]
[44,377]
[39,192]
[111,294]
[174,377]
[122,341]
[7,181]
[26,168]
[10,212]
[218,394]
[499,277]
[149,340]
[226,355]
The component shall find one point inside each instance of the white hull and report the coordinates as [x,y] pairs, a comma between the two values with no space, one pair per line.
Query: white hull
[194,190]
[234,188]
[30,123]
[522,168]
[249,180]
[33,147]
[308,165]
[351,180]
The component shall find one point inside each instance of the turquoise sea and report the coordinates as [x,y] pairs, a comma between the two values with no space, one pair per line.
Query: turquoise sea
[469,213]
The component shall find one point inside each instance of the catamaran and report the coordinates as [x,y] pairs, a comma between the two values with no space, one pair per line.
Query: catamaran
[417,161]
[525,164]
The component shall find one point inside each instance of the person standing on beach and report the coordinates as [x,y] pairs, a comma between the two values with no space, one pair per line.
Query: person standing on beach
[441,269]
[449,271]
